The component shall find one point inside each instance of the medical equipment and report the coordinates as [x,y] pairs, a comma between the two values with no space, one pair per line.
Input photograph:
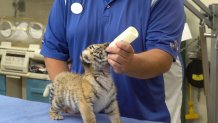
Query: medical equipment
[194,73]
[210,71]
[20,40]
[14,61]
[22,29]
[191,112]
[15,66]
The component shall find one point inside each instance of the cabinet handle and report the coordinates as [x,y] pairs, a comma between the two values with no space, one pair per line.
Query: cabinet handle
[14,77]
[37,91]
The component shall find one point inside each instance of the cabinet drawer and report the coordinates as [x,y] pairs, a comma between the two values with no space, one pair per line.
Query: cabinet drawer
[35,89]
[2,93]
[2,83]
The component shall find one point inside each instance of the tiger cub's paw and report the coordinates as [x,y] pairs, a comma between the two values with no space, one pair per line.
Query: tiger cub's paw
[116,121]
[56,116]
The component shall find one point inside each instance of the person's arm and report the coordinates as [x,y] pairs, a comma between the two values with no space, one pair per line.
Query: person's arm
[144,67]
[162,41]
[54,45]
[141,65]
[54,67]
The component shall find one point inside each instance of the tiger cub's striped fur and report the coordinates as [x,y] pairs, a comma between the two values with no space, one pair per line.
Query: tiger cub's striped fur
[89,93]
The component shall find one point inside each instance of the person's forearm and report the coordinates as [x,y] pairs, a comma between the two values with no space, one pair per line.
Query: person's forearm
[54,67]
[149,64]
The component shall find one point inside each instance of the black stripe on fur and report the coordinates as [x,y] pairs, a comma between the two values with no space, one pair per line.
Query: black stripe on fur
[99,83]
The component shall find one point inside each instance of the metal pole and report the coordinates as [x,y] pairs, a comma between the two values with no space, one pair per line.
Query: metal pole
[213,86]
[205,61]
[197,13]
[203,7]
[204,55]
[210,74]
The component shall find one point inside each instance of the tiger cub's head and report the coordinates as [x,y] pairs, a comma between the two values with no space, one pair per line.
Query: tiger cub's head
[95,57]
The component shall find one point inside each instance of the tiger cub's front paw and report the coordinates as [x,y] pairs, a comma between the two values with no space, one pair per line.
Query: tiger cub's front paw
[55,116]
[116,121]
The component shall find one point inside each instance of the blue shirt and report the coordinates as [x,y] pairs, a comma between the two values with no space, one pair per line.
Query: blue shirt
[160,25]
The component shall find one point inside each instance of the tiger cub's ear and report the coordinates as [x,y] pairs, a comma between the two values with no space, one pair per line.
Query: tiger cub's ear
[86,57]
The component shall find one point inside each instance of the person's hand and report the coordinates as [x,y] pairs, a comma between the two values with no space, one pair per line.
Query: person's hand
[120,56]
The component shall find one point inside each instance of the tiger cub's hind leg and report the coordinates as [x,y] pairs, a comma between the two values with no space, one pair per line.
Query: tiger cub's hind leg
[55,110]
[113,111]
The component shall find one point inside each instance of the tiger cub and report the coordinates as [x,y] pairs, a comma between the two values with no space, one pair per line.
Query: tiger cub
[89,93]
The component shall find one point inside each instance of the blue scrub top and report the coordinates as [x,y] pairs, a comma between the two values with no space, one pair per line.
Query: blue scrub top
[160,25]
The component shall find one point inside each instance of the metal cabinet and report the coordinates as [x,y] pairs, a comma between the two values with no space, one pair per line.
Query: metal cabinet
[35,89]
[2,85]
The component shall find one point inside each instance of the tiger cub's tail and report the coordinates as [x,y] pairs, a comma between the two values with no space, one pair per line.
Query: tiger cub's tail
[47,89]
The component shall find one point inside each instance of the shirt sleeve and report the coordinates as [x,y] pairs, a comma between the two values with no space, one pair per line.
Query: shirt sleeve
[165,26]
[54,44]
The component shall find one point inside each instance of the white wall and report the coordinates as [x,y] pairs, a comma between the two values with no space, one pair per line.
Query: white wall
[200,105]
[34,8]
[6,8]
